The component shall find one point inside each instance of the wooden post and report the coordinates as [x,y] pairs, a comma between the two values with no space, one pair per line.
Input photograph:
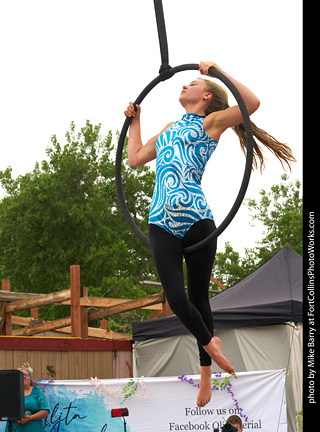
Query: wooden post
[47,326]
[34,313]
[84,316]
[219,284]
[125,307]
[36,300]
[166,311]
[75,301]
[3,307]
[104,324]
[7,328]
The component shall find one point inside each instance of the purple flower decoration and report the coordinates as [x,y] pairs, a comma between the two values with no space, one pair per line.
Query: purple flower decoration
[225,385]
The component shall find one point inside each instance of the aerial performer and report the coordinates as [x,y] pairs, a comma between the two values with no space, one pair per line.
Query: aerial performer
[180,215]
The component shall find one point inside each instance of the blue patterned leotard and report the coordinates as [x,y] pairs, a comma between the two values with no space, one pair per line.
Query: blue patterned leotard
[183,151]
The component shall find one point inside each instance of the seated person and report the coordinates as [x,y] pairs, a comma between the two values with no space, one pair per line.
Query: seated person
[236,422]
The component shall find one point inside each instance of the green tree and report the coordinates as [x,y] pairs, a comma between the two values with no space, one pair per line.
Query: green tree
[229,267]
[66,212]
[280,211]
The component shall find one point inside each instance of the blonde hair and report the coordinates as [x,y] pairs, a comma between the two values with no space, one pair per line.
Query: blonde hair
[219,102]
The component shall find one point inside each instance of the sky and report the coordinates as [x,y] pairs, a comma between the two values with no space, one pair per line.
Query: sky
[78,60]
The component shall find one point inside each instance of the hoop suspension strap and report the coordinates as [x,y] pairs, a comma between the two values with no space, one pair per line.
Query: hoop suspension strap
[165,68]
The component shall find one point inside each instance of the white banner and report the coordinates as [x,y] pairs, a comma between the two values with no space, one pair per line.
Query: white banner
[166,404]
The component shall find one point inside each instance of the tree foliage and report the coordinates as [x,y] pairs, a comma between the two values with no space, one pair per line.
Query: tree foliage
[66,212]
[280,211]
[229,267]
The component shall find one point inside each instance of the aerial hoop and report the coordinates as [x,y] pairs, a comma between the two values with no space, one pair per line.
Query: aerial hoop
[164,74]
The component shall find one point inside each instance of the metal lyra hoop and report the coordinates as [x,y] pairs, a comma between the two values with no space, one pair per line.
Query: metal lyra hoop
[166,73]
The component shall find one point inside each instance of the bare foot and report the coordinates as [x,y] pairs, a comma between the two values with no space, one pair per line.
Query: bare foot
[205,390]
[214,350]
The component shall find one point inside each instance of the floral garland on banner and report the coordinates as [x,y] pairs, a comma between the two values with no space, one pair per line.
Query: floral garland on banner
[44,382]
[124,393]
[225,385]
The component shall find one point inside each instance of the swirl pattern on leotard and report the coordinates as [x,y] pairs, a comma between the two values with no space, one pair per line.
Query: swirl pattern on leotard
[183,151]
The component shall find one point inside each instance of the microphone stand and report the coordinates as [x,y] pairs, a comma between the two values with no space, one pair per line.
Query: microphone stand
[124,424]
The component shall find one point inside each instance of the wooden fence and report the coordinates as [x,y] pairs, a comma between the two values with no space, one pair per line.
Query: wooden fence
[83,351]
[67,358]
[77,324]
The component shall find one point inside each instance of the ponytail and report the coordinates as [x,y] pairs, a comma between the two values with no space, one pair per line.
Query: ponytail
[282,151]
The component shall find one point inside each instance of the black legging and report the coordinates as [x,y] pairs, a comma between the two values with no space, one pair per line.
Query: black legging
[167,251]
